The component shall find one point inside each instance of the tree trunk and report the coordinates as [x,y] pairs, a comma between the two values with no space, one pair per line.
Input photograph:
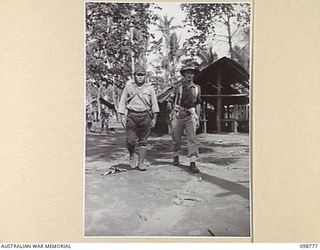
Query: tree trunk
[229,38]
[166,54]
[132,53]
[99,104]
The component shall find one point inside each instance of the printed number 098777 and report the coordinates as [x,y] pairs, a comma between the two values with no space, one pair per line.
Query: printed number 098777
[308,245]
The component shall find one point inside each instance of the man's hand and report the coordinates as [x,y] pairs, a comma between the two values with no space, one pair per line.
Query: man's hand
[198,110]
[197,123]
[123,120]
[197,120]
[153,122]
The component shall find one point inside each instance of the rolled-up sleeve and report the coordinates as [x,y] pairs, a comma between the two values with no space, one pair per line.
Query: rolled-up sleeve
[123,101]
[154,101]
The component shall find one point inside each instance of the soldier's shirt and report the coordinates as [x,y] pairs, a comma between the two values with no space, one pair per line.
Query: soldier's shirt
[131,101]
[189,98]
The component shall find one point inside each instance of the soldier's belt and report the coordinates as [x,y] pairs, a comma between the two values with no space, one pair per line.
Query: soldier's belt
[183,109]
[180,108]
[138,112]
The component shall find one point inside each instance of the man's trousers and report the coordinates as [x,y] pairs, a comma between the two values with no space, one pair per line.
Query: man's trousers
[184,121]
[138,127]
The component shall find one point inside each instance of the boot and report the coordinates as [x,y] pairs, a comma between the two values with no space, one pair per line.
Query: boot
[142,152]
[176,160]
[141,167]
[193,168]
[132,162]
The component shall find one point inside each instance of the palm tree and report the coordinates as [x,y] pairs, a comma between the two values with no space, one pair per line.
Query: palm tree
[242,48]
[207,57]
[171,45]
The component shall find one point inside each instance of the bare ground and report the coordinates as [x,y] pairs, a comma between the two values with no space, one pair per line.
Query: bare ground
[167,200]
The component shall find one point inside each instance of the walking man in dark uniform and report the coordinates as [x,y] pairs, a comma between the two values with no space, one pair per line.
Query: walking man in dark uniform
[89,119]
[185,115]
[104,119]
[138,108]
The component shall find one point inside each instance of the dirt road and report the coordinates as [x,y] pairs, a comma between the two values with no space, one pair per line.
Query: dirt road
[166,200]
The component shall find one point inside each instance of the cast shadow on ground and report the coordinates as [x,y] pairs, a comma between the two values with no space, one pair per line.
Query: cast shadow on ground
[102,148]
[220,161]
[222,145]
[163,150]
[231,187]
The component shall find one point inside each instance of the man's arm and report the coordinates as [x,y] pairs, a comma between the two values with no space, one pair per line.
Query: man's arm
[154,107]
[123,101]
[154,102]
[198,105]
[198,109]
[154,120]
[122,106]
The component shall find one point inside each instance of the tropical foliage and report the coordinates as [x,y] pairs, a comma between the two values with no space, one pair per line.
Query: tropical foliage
[118,35]
[214,23]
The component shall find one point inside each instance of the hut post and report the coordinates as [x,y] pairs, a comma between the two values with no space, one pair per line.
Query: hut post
[236,116]
[219,103]
[204,117]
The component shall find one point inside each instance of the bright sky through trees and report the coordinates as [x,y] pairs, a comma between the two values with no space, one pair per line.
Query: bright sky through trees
[173,10]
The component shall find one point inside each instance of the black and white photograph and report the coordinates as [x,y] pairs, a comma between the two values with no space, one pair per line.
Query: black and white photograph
[167,119]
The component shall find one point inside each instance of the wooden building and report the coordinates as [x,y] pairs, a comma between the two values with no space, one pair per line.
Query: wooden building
[225,85]
[225,98]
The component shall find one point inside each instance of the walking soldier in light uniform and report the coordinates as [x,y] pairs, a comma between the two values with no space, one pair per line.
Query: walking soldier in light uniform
[138,110]
[185,115]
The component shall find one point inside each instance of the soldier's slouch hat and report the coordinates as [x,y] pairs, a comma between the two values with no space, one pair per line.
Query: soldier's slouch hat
[190,66]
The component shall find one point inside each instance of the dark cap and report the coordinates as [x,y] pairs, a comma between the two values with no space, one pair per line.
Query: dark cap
[139,68]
